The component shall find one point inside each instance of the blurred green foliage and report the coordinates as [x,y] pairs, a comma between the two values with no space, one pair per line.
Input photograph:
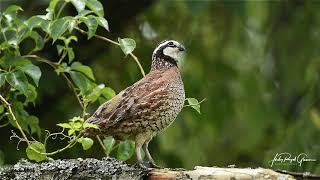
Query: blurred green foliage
[256,63]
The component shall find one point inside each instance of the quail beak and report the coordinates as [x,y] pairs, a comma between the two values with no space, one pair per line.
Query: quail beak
[181,48]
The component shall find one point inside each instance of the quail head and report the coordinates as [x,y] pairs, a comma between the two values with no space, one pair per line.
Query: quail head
[148,106]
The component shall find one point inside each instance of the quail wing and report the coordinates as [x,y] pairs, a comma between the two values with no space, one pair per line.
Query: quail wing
[133,99]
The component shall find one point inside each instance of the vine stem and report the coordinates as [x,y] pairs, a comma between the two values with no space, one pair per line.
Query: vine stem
[118,44]
[14,118]
[70,145]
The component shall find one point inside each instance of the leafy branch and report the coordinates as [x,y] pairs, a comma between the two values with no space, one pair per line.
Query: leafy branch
[127,45]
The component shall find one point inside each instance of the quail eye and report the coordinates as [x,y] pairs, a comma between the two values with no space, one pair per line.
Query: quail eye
[170,43]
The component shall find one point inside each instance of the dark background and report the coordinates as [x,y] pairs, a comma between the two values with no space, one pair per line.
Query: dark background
[256,63]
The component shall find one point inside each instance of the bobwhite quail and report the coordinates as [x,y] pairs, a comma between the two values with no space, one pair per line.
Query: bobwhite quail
[148,106]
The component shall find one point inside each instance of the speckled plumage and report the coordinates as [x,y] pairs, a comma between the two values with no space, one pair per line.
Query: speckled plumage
[148,106]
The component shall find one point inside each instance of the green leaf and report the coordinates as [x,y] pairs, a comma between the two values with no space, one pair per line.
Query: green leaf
[125,150]
[194,103]
[37,21]
[77,66]
[84,13]
[18,81]
[49,15]
[2,79]
[10,60]
[89,125]
[103,22]
[64,125]
[34,155]
[33,71]
[11,12]
[91,23]
[69,39]
[59,26]
[60,49]
[81,81]
[71,131]
[79,5]
[37,39]
[52,5]
[31,94]
[33,122]
[108,93]
[95,94]
[76,118]
[95,6]
[85,142]
[108,143]
[70,54]
[12,9]
[75,125]
[127,45]
[34,21]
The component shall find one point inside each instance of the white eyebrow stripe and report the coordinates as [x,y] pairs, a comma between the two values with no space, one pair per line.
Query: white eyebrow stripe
[159,46]
[165,42]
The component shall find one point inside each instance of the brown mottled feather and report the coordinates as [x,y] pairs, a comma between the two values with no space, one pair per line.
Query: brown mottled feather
[135,103]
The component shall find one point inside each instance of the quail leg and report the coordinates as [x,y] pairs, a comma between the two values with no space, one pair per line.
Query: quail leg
[149,157]
[139,157]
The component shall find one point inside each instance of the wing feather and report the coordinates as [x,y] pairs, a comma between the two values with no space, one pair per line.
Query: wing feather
[128,101]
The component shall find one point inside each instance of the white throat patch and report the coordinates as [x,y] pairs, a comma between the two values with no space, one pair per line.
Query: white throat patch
[172,52]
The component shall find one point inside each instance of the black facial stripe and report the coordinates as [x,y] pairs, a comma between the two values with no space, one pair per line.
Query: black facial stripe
[171,60]
[160,54]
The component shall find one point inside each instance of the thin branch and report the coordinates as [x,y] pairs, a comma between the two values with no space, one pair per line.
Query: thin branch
[62,57]
[41,59]
[8,106]
[115,43]
[101,144]
[137,61]
[73,89]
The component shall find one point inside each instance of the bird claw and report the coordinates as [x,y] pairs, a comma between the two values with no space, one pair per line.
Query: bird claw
[141,165]
[148,165]
[152,164]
